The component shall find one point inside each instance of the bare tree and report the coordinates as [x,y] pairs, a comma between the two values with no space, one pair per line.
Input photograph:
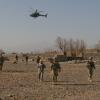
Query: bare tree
[72,47]
[62,44]
[97,47]
[82,48]
[77,47]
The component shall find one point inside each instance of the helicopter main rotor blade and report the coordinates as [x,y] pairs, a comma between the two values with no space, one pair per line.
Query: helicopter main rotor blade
[33,9]
[41,11]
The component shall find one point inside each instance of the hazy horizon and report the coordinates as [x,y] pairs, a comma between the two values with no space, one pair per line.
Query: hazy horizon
[77,19]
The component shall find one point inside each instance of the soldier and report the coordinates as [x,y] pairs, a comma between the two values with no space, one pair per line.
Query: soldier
[55,68]
[41,67]
[38,59]
[26,59]
[91,67]
[1,62]
[16,58]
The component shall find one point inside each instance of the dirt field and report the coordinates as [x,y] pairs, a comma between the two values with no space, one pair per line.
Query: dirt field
[19,82]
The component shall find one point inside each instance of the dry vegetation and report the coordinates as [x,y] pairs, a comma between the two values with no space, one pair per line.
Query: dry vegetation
[19,82]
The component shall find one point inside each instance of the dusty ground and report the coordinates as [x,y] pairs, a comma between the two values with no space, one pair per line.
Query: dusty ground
[19,82]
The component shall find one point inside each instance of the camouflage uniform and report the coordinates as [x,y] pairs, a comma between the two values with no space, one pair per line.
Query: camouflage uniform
[55,67]
[91,67]
[26,58]
[16,59]
[1,62]
[38,59]
[41,67]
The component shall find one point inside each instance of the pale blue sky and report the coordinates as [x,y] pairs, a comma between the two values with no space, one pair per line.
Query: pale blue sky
[77,19]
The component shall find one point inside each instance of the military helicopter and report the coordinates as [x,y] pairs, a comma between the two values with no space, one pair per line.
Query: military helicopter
[37,13]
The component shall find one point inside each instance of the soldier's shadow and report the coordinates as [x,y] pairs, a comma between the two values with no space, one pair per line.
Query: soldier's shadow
[74,84]
[14,71]
[96,81]
[71,83]
[57,81]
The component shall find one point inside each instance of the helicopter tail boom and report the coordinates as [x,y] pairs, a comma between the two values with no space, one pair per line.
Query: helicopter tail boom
[46,15]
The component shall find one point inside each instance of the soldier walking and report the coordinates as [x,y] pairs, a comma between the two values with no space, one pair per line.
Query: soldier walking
[41,67]
[26,58]
[91,67]
[16,59]
[1,62]
[38,59]
[55,68]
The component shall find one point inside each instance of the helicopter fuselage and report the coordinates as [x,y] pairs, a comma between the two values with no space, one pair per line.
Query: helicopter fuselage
[37,15]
